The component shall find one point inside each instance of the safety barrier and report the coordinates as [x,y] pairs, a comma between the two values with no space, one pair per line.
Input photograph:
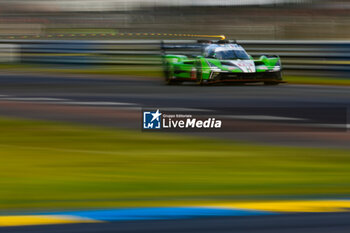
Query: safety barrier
[318,56]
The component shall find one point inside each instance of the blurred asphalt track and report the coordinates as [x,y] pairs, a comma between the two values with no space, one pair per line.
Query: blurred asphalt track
[117,102]
[291,223]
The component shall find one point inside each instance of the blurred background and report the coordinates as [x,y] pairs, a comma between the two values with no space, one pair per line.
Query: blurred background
[75,75]
[251,19]
[275,27]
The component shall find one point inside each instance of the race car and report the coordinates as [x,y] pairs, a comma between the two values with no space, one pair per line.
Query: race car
[222,61]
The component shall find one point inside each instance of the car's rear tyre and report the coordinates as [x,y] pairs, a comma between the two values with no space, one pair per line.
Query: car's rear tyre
[199,76]
[200,80]
[169,75]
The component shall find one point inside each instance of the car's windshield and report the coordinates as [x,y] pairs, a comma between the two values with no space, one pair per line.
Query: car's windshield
[232,54]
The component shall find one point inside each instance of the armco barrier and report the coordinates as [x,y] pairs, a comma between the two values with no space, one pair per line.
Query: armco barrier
[317,56]
[9,53]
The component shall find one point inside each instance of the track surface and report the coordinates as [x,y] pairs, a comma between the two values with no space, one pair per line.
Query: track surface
[114,102]
[117,102]
[301,223]
[154,93]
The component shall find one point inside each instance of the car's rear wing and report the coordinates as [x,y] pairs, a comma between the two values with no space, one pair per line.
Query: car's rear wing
[189,48]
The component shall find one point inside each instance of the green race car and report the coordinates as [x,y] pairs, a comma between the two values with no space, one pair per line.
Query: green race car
[222,61]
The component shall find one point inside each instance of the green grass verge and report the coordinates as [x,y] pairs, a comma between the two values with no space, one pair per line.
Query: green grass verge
[317,80]
[148,71]
[54,165]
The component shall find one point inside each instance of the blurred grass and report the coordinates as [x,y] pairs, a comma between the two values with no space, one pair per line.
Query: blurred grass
[317,80]
[55,165]
[148,71]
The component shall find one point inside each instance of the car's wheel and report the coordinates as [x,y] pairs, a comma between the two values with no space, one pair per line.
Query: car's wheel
[279,76]
[169,75]
[276,76]
[200,80]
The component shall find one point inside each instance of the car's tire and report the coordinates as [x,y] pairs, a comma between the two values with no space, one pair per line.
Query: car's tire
[276,76]
[200,80]
[199,77]
[169,75]
[279,76]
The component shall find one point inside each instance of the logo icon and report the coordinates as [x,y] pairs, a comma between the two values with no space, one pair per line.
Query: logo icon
[151,120]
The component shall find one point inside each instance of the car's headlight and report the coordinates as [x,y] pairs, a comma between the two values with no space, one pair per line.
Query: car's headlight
[276,68]
[230,66]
